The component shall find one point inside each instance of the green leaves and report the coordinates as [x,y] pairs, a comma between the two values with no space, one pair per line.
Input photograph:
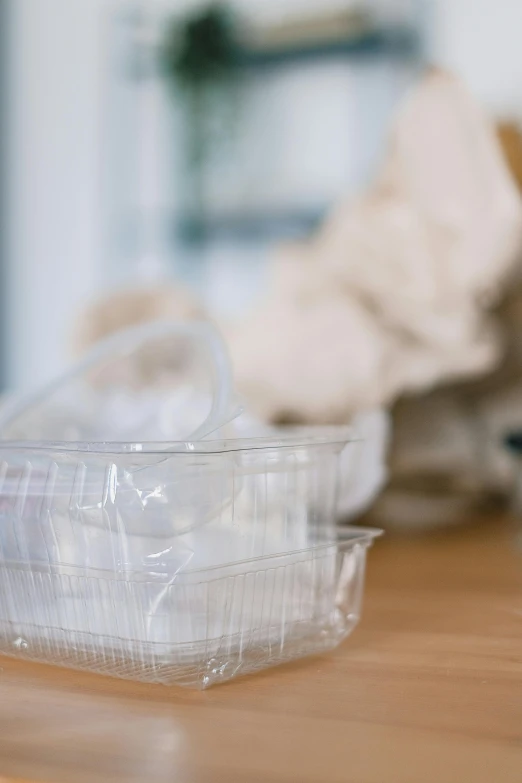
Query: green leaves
[202,49]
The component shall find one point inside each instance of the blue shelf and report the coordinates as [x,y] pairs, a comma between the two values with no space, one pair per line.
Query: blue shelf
[391,44]
[249,227]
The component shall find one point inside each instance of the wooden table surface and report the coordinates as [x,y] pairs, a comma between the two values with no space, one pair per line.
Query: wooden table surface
[427,690]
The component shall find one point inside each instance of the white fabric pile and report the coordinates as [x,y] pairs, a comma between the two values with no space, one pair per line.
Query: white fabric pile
[392,295]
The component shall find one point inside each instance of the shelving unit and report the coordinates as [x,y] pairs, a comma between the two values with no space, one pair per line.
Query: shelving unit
[232,240]
[248,227]
[394,43]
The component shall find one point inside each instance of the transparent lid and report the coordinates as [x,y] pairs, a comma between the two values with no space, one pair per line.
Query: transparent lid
[155,382]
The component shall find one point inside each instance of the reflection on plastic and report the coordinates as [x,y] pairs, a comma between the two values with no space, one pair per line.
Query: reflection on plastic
[52,735]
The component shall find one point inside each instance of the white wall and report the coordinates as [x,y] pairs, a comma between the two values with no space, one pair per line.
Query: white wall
[54,178]
[481,41]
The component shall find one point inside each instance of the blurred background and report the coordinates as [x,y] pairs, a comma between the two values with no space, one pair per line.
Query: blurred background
[93,141]
[187,140]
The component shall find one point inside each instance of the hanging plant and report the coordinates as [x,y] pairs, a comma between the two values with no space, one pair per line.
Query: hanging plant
[200,59]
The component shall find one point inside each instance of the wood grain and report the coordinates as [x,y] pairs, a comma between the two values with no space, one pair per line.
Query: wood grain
[429,688]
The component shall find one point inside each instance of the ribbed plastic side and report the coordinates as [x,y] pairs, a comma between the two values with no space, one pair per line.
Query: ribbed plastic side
[196,631]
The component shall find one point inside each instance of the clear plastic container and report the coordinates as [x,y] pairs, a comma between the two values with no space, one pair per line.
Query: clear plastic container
[184,560]
[185,563]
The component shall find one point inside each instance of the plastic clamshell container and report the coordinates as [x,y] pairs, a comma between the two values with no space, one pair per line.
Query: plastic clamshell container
[185,564]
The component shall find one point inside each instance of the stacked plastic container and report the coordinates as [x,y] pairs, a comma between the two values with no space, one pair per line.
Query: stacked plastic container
[188,560]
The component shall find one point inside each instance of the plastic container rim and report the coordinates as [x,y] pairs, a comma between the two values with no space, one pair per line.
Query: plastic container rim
[347,538]
[312,437]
